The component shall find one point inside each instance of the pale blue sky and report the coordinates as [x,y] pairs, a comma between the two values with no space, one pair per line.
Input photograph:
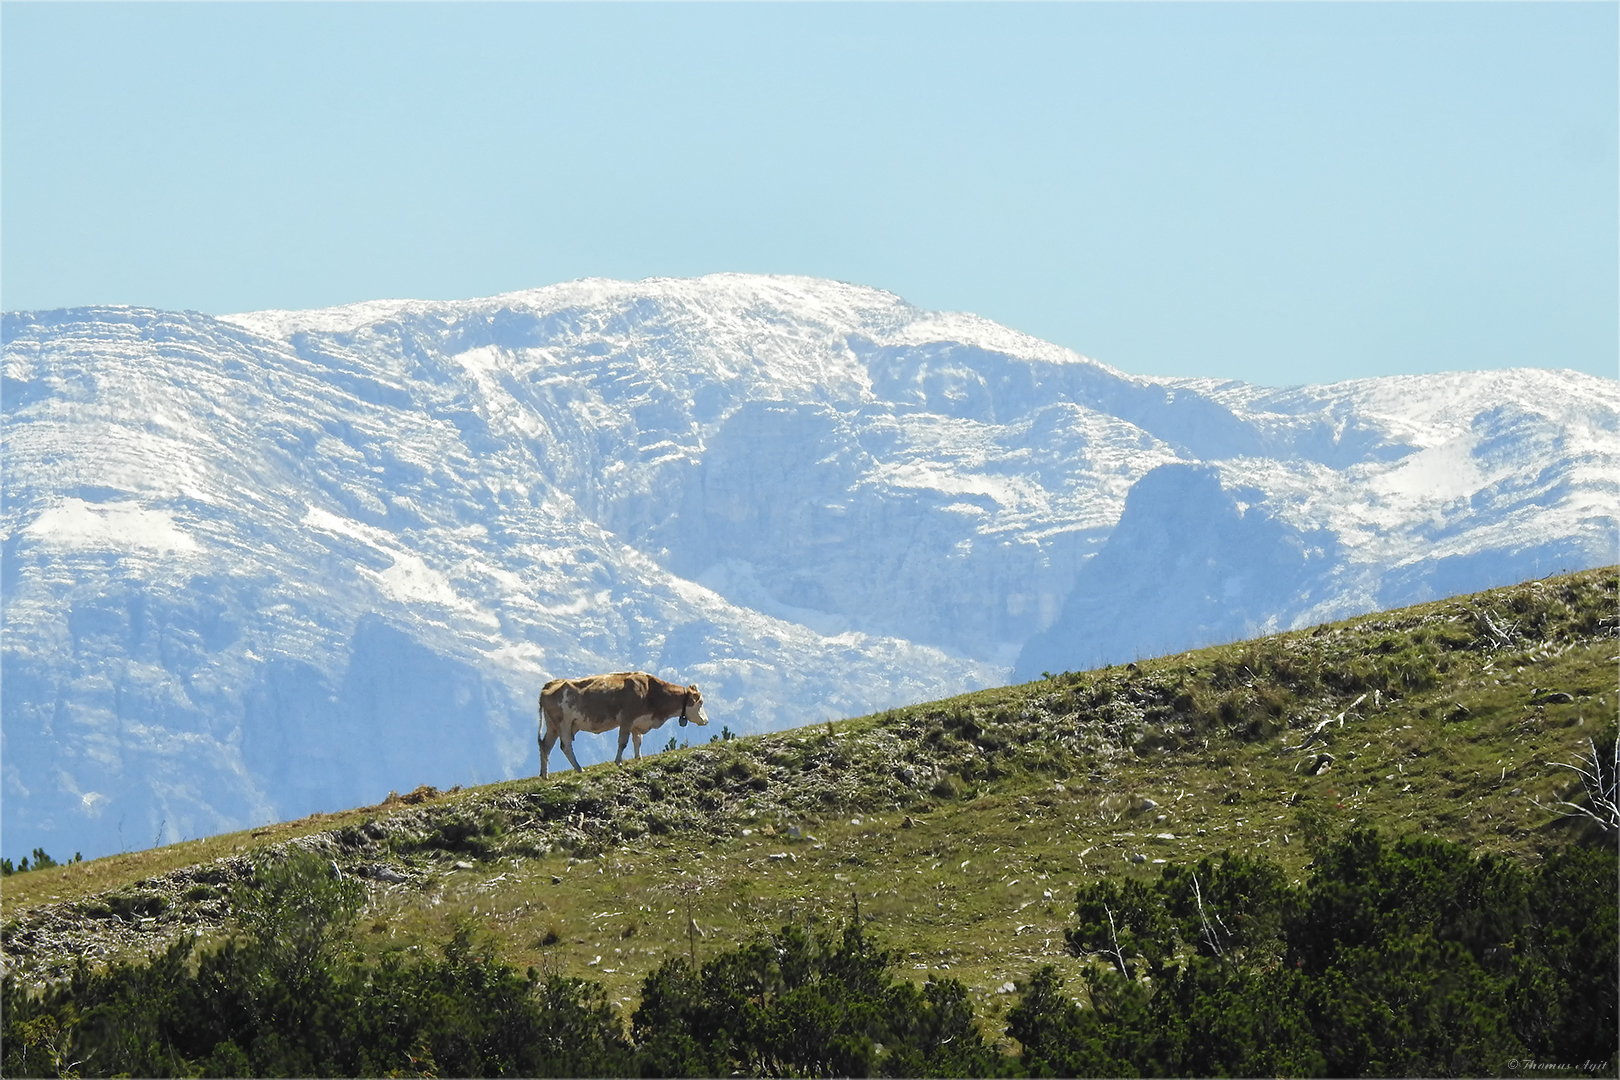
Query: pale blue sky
[1274,192]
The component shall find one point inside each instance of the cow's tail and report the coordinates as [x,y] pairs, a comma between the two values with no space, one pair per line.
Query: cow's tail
[540,728]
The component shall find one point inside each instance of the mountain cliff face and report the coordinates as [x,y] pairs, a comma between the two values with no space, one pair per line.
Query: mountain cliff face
[1186,563]
[260,565]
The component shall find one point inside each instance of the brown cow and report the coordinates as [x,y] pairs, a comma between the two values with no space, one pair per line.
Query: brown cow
[632,701]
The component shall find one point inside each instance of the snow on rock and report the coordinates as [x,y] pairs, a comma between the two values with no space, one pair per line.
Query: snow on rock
[265,564]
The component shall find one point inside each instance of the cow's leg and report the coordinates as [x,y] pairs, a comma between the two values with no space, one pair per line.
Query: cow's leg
[548,739]
[568,748]
[624,737]
[636,736]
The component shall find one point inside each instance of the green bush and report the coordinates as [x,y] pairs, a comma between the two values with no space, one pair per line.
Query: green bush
[286,1000]
[797,1004]
[295,911]
[1411,958]
[42,861]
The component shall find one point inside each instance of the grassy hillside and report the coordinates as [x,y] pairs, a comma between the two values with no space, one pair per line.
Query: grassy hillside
[962,827]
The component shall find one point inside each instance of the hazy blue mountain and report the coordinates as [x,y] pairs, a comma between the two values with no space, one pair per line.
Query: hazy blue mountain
[264,564]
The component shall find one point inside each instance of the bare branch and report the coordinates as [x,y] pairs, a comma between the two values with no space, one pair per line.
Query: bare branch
[1602,795]
[1114,934]
[1209,931]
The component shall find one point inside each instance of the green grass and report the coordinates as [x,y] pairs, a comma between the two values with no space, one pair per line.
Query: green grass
[1015,796]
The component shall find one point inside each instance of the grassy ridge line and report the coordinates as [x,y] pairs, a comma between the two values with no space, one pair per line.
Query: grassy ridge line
[1015,795]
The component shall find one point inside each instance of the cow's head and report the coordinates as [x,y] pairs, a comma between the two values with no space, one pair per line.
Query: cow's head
[692,707]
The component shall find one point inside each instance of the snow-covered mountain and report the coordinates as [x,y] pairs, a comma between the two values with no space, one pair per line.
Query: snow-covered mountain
[265,564]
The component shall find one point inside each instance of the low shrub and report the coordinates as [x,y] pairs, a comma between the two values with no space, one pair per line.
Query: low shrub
[1406,958]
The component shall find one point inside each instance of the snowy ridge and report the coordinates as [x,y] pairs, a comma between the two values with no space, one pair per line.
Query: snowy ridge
[277,562]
